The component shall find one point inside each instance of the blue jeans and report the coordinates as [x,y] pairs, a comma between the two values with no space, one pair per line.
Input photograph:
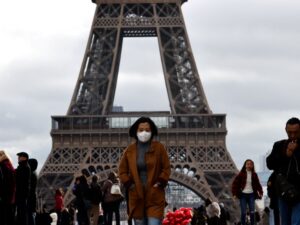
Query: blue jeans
[289,215]
[148,221]
[247,199]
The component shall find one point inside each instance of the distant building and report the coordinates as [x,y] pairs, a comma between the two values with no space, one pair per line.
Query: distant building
[263,161]
[263,177]
[117,108]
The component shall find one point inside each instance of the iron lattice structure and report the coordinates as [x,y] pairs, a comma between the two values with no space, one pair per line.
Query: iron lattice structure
[91,137]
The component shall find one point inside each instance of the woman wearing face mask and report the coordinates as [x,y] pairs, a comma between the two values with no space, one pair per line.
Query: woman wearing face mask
[144,170]
[247,188]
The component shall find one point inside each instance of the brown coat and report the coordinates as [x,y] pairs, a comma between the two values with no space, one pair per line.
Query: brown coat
[148,199]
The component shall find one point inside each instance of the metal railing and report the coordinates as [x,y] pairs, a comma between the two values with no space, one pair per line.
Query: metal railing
[121,121]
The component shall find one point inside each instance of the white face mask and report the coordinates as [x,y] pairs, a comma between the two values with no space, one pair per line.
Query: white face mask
[144,136]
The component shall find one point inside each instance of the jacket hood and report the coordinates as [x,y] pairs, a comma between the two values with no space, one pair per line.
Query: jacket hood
[33,163]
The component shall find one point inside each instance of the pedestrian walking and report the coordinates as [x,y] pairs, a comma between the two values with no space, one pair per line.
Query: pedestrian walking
[59,204]
[284,160]
[23,176]
[247,188]
[32,200]
[145,170]
[96,198]
[82,200]
[213,212]
[111,201]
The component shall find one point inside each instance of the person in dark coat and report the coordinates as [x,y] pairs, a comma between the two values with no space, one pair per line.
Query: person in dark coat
[7,190]
[225,216]
[199,216]
[111,202]
[43,216]
[82,201]
[285,160]
[213,212]
[33,163]
[271,189]
[246,186]
[23,174]
[96,198]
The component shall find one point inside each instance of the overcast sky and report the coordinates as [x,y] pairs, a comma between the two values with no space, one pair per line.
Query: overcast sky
[247,54]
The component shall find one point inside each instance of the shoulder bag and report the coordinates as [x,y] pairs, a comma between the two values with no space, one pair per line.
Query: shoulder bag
[287,191]
[115,189]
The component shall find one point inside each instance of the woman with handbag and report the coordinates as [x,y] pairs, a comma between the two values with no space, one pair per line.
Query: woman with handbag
[144,170]
[246,186]
[112,199]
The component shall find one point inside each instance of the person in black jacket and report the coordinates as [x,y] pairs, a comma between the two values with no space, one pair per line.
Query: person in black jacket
[82,200]
[225,216]
[23,173]
[271,189]
[285,159]
[33,164]
[96,198]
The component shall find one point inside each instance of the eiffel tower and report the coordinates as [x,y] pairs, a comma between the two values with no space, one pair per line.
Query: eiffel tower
[91,137]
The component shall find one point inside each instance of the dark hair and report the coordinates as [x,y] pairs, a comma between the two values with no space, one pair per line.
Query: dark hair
[59,191]
[293,121]
[94,178]
[207,201]
[244,166]
[82,179]
[112,176]
[77,178]
[134,127]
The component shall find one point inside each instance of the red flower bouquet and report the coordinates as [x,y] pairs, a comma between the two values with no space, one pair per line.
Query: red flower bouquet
[182,216]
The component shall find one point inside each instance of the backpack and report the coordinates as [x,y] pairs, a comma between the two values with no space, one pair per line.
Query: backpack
[115,189]
[113,193]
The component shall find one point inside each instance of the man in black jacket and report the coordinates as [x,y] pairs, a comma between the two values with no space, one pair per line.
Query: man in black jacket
[96,198]
[285,159]
[22,188]
[32,201]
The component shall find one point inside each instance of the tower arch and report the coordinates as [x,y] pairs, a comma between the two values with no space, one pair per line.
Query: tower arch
[92,136]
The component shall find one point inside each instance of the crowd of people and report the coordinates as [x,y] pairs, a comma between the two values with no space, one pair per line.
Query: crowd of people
[17,189]
[283,185]
[143,173]
[94,203]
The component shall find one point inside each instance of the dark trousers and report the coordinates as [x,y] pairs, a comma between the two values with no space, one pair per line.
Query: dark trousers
[274,205]
[108,210]
[7,214]
[213,221]
[276,215]
[22,212]
[31,218]
[82,216]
